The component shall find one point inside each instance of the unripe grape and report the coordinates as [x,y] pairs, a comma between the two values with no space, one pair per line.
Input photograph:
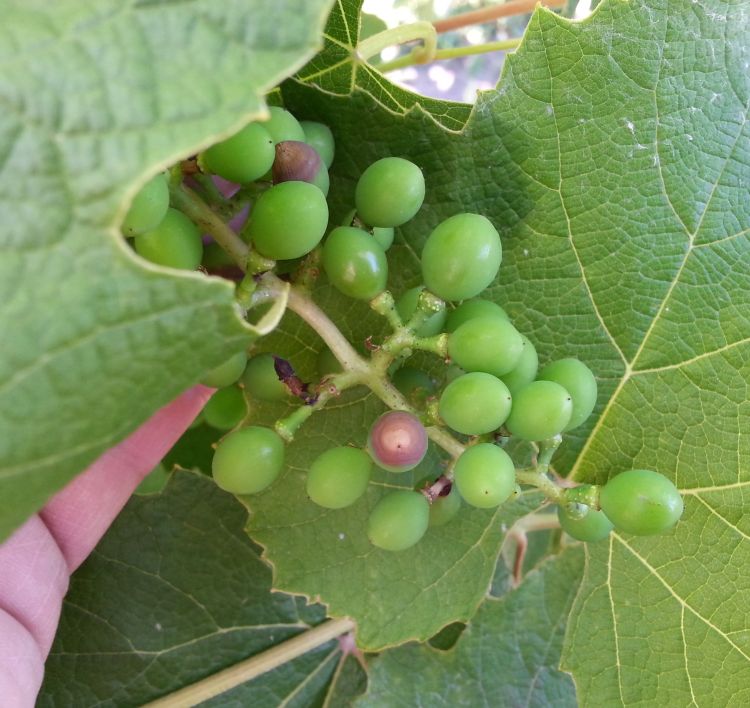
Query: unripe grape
[524,372]
[225,409]
[474,404]
[485,476]
[397,441]
[149,206]
[540,411]
[354,263]
[461,257]
[154,481]
[413,384]
[489,344]
[641,502]
[261,380]
[445,506]
[470,309]
[288,220]
[406,306]
[339,477]
[282,125]
[248,460]
[389,192]
[592,526]
[227,373]
[321,138]
[445,509]
[244,157]
[398,520]
[176,242]
[298,162]
[382,234]
[579,381]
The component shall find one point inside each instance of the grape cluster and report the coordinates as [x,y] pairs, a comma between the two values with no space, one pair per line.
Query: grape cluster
[490,391]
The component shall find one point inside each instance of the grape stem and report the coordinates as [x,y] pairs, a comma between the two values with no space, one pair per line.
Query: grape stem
[414,57]
[330,387]
[424,31]
[188,202]
[357,370]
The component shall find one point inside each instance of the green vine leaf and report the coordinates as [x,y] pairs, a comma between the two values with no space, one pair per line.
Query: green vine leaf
[617,174]
[95,99]
[508,651]
[173,593]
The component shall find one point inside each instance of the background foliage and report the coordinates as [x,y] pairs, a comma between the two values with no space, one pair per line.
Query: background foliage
[614,158]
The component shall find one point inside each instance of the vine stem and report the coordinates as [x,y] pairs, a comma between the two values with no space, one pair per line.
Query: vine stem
[424,31]
[495,12]
[300,303]
[411,58]
[188,202]
[251,668]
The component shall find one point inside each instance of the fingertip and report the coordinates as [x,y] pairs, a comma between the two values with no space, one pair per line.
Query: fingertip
[80,514]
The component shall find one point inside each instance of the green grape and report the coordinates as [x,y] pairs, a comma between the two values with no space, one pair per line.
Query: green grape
[485,476]
[248,460]
[389,192]
[489,344]
[320,137]
[452,372]
[339,477]
[475,404]
[540,411]
[282,125]
[261,380]
[406,306]
[176,242]
[327,363]
[592,526]
[471,309]
[226,374]
[461,257]
[216,258]
[288,220]
[149,206]
[641,502]
[445,507]
[354,263]
[154,481]
[383,235]
[225,409]
[524,372]
[413,384]
[399,520]
[576,378]
[244,157]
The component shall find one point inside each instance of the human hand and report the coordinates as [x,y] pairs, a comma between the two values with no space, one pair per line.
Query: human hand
[37,560]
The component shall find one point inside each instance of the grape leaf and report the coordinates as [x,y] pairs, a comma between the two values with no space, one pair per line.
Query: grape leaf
[97,97]
[614,158]
[174,592]
[505,657]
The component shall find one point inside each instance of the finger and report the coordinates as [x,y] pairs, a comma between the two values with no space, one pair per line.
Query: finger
[21,664]
[36,560]
[33,581]
[79,515]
